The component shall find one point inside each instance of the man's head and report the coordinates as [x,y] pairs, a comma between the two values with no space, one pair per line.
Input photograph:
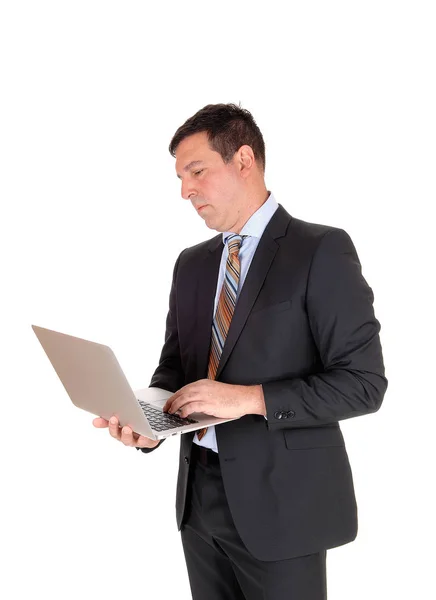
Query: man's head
[220,159]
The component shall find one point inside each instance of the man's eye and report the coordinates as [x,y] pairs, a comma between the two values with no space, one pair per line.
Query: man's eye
[198,172]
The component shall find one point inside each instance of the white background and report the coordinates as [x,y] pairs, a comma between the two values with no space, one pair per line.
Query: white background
[92,220]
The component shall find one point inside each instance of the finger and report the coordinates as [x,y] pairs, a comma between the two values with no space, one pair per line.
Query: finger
[114,430]
[100,422]
[127,436]
[174,397]
[181,402]
[145,442]
[191,407]
[177,404]
[170,401]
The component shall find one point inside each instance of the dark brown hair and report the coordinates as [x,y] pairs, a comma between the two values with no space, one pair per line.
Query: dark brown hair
[228,127]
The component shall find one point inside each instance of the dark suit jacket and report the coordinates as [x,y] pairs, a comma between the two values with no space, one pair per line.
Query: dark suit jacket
[304,328]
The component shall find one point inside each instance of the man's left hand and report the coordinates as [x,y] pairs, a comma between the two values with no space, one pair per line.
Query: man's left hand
[217,399]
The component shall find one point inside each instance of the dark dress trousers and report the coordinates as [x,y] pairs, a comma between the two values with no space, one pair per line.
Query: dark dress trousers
[304,328]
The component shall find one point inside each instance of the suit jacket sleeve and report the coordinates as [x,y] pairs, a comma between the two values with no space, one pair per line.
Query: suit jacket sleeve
[339,305]
[169,374]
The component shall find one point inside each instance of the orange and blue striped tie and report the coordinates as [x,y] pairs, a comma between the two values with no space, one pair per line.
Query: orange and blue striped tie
[225,308]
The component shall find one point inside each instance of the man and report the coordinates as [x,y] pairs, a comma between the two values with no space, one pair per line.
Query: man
[270,321]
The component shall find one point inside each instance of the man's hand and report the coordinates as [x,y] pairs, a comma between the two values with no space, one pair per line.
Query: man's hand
[217,399]
[125,434]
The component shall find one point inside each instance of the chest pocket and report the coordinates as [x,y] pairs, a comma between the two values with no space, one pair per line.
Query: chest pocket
[271,308]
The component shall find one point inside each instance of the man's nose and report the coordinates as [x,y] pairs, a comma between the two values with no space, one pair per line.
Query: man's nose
[188,190]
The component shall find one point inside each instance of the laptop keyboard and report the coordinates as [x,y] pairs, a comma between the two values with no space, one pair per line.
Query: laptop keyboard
[161,421]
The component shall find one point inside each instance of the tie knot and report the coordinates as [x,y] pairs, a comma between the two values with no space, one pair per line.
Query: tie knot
[234,243]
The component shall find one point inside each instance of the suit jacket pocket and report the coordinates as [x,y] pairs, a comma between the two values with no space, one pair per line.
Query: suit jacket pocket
[313,437]
[271,308]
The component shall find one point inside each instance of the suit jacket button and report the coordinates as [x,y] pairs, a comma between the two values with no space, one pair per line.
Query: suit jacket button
[291,414]
[278,414]
[186,460]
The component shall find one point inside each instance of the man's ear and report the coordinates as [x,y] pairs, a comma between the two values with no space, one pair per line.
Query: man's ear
[245,160]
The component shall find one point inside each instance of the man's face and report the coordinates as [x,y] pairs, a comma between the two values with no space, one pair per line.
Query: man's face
[212,186]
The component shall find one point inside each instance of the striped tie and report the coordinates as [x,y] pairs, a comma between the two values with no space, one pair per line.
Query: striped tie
[225,308]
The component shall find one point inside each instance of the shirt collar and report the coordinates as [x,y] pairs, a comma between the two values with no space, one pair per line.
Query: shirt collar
[255,226]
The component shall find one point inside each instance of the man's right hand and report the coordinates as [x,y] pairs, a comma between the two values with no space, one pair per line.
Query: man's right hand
[125,434]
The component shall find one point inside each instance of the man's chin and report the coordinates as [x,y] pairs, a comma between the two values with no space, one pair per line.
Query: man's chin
[211,225]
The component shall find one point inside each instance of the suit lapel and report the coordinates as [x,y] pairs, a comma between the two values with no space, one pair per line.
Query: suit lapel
[207,282]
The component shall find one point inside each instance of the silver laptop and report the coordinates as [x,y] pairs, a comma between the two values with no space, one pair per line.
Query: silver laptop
[95,382]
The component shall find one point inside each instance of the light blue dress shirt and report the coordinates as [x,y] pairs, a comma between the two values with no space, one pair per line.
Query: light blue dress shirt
[254,228]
